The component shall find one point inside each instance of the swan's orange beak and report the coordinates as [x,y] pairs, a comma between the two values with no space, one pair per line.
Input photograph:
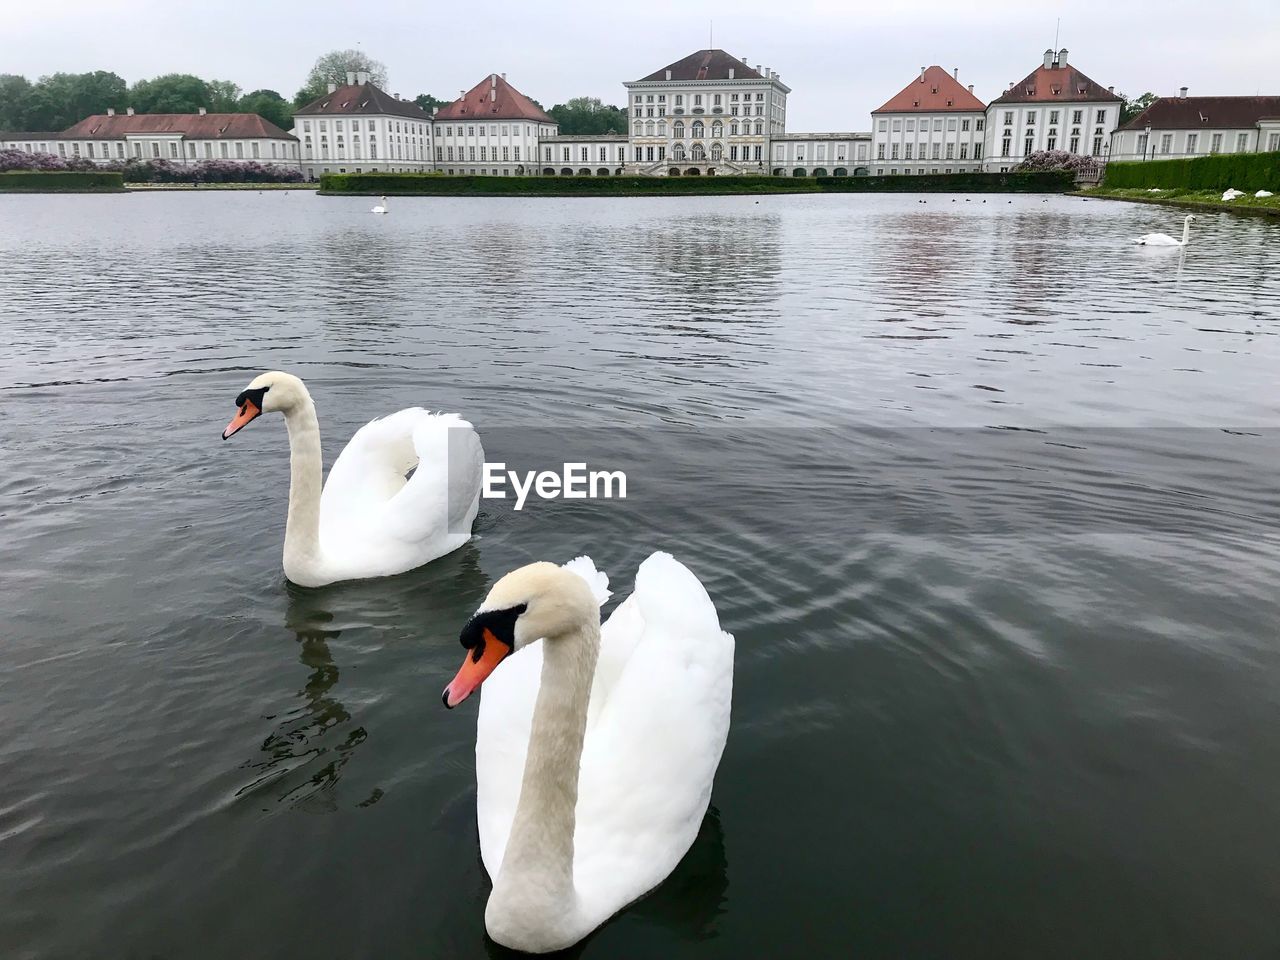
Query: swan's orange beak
[249,411]
[481,661]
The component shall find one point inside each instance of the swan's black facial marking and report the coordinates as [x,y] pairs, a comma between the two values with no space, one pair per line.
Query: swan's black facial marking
[254,395]
[500,623]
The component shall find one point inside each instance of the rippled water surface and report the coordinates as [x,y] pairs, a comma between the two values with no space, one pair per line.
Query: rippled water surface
[986,494]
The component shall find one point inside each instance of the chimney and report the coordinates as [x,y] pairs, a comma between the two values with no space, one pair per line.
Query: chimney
[129,112]
[493,81]
[1048,59]
[922,74]
[351,78]
[504,76]
[1182,92]
[955,73]
[1111,89]
[111,111]
[434,111]
[731,73]
[203,111]
[462,94]
[396,95]
[758,70]
[1062,57]
[971,88]
[333,87]
[362,77]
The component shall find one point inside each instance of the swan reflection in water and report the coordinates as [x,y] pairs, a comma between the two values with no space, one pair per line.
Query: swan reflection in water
[319,727]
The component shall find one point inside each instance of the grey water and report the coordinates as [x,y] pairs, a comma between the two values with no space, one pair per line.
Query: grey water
[986,494]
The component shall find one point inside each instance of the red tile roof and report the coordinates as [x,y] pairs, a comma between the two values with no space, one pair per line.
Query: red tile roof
[493,99]
[364,99]
[192,126]
[934,91]
[1060,83]
[1210,113]
[705,65]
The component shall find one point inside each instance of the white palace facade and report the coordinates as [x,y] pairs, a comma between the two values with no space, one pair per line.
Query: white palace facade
[709,113]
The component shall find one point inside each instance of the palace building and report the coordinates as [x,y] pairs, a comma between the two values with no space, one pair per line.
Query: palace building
[1184,126]
[1056,107]
[707,113]
[357,128]
[491,129]
[180,138]
[932,125]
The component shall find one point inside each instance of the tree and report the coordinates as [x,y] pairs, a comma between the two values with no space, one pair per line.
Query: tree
[224,96]
[15,101]
[334,66]
[57,101]
[1131,108]
[588,115]
[426,101]
[269,105]
[172,93]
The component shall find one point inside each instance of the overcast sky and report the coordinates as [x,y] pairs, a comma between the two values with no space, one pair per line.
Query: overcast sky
[840,59]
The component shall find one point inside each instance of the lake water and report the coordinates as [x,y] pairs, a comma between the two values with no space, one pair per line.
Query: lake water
[986,494]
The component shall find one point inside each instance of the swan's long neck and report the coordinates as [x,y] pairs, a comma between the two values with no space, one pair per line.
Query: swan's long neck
[302,529]
[533,893]
[1186,231]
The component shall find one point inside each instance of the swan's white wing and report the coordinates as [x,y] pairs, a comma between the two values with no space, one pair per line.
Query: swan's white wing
[1157,240]
[656,738]
[502,731]
[375,521]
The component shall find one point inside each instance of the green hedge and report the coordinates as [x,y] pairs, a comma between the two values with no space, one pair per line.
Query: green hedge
[435,184]
[61,181]
[1041,181]
[1244,171]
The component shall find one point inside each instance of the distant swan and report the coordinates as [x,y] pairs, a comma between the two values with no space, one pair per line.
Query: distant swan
[1164,240]
[595,747]
[380,208]
[1231,193]
[369,521]
[1264,193]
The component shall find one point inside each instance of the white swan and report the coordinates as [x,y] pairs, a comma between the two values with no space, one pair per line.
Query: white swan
[596,748]
[370,521]
[1164,240]
[380,208]
[1231,193]
[1264,193]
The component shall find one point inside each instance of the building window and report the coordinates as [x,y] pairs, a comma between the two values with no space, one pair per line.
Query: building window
[893,151]
[879,151]
[1192,138]
[884,125]
[979,124]
[1166,142]
[1102,116]
[964,151]
[977,151]
[951,147]
[1031,118]
[937,147]
[1273,142]
[208,149]
[1075,144]
[1242,142]
[1097,146]
[471,154]
[906,151]
[440,154]
[1008,118]
[1051,143]
[516,151]
[964,125]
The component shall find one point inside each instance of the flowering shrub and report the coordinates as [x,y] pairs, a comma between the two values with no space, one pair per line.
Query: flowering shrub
[1056,160]
[21,160]
[158,171]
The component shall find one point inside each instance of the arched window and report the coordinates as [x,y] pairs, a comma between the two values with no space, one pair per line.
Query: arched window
[648,129]
[695,130]
[677,152]
[662,128]
[697,154]
[678,129]
[716,152]
[717,130]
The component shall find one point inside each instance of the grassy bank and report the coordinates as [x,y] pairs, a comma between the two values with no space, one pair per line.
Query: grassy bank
[61,181]
[1194,199]
[439,185]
